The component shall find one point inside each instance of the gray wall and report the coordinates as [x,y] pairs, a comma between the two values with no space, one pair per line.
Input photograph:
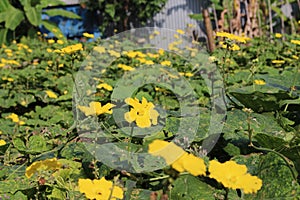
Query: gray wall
[175,15]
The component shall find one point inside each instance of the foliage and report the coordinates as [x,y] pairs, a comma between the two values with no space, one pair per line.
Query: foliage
[261,130]
[23,16]
[118,16]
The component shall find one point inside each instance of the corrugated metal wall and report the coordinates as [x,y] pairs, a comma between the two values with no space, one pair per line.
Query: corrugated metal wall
[175,15]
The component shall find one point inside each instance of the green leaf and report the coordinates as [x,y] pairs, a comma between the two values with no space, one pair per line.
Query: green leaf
[110,10]
[33,14]
[3,35]
[13,18]
[11,185]
[190,187]
[37,144]
[47,3]
[51,26]
[4,5]
[63,13]
[270,141]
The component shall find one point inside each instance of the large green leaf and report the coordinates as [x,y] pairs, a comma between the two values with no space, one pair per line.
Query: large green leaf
[4,5]
[61,12]
[190,187]
[34,15]
[13,18]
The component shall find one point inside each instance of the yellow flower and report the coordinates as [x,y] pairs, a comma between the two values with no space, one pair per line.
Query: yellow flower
[51,41]
[226,173]
[149,62]
[49,50]
[161,52]
[70,49]
[49,63]
[259,82]
[278,35]
[181,32]
[105,86]
[142,113]
[168,150]
[234,176]
[176,36]
[2,142]
[60,42]
[51,94]
[114,53]
[125,67]
[166,63]
[187,74]
[8,51]
[175,156]
[295,42]
[156,32]
[99,49]
[8,79]
[278,61]
[249,184]
[233,47]
[88,35]
[44,165]
[140,54]
[95,108]
[100,189]
[190,163]
[9,62]
[295,57]
[15,118]
[151,55]
[233,37]
[172,47]
[131,54]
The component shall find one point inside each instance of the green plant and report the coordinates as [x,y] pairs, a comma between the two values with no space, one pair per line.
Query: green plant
[117,15]
[19,21]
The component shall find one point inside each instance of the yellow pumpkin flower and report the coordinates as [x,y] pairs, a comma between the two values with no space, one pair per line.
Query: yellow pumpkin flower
[230,36]
[15,118]
[259,82]
[44,165]
[142,113]
[168,150]
[100,189]
[234,176]
[125,67]
[95,108]
[105,86]
[51,94]
[2,142]
[88,35]
[166,63]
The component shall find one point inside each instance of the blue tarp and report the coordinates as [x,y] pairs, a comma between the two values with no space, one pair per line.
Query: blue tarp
[74,28]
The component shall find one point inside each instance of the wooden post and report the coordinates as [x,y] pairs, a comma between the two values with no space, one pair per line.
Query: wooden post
[209,31]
